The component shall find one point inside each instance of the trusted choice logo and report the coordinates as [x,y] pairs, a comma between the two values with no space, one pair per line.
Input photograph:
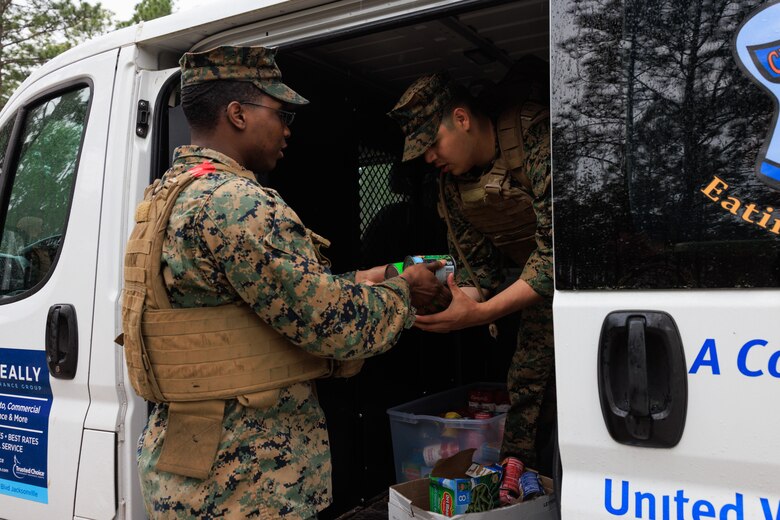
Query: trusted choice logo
[22,472]
[757,51]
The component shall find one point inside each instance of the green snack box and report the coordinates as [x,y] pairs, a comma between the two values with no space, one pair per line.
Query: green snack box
[459,486]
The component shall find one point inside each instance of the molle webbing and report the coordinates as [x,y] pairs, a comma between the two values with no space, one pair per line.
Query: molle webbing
[221,353]
[503,212]
[195,358]
[509,130]
[189,354]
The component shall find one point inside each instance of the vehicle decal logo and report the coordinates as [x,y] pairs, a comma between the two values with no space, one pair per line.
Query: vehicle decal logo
[757,52]
[21,472]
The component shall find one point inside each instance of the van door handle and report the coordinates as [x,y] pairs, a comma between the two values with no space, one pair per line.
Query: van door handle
[62,341]
[643,386]
[638,418]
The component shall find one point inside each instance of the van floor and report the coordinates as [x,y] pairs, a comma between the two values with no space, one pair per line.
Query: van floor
[373,509]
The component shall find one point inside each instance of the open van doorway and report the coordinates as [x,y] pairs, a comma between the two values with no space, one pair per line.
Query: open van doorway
[343,175]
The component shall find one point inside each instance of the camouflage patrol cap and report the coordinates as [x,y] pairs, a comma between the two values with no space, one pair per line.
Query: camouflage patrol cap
[419,112]
[253,64]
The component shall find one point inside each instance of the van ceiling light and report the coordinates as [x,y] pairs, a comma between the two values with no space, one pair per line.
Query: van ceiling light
[478,56]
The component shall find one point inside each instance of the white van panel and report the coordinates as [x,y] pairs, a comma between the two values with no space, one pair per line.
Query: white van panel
[95,497]
[23,322]
[725,462]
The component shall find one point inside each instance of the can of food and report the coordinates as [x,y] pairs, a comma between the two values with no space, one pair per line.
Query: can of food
[441,450]
[442,272]
[531,485]
[393,270]
[509,491]
[476,437]
[449,431]
[482,399]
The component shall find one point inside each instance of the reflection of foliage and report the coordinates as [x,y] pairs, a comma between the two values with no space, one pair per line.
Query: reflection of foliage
[655,106]
[46,170]
[5,135]
[148,10]
[34,31]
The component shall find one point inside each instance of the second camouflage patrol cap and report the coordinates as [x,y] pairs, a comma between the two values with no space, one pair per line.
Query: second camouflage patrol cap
[252,64]
[419,112]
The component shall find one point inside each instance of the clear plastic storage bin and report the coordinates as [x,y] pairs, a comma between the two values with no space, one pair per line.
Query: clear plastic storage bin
[421,435]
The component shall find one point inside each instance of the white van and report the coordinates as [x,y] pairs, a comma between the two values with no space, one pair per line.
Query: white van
[666,239]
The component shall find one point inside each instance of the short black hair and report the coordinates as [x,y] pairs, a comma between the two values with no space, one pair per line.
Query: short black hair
[202,103]
[461,97]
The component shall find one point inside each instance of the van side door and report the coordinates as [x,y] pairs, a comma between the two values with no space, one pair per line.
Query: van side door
[53,143]
[667,258]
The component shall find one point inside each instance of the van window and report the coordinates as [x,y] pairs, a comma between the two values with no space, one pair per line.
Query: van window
[39,201]
[656,135]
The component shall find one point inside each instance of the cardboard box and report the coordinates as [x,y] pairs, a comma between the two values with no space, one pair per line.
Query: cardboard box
[409,501]
[457,485]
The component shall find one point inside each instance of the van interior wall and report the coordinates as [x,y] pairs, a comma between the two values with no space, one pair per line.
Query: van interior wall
[320,178]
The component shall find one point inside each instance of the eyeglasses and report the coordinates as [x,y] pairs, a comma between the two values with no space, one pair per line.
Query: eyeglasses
[285,116]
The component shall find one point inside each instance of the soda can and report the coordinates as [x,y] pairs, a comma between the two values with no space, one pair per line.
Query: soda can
[442,272]
[531,485]
[509,491]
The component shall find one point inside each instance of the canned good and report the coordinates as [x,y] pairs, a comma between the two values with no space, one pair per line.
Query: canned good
[488,452]
[531,485]
[509,491]
[472,439]
[442,272]
[393,270]
[441,450]
[448,431]
[502,401]
[482,399]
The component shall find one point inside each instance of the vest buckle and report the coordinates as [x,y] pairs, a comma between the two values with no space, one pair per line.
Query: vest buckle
[493,189]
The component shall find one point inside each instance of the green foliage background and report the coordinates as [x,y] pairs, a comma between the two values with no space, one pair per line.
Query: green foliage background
[34,31]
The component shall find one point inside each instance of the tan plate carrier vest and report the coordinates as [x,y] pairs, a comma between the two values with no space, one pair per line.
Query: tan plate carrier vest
[196,358]
[502,212]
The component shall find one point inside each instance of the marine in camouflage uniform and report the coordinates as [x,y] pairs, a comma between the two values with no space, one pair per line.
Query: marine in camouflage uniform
[231,240]
[426,114]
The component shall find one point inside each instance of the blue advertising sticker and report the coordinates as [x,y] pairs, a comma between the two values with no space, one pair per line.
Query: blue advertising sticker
[757,52]
[25,403]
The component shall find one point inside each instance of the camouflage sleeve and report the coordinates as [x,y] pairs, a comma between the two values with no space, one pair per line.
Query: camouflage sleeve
[271,263]
[478,250]
[538,271]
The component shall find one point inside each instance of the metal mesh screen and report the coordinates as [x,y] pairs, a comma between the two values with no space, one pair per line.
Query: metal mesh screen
[374,176]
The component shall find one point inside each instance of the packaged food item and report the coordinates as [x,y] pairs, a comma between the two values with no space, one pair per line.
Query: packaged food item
[475,437]
[440,450]
[413,470]
[509,493]
[442,273]
[451,432]
[482,400]
[394,269]
[459,486]
[502,400]
[530,485]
